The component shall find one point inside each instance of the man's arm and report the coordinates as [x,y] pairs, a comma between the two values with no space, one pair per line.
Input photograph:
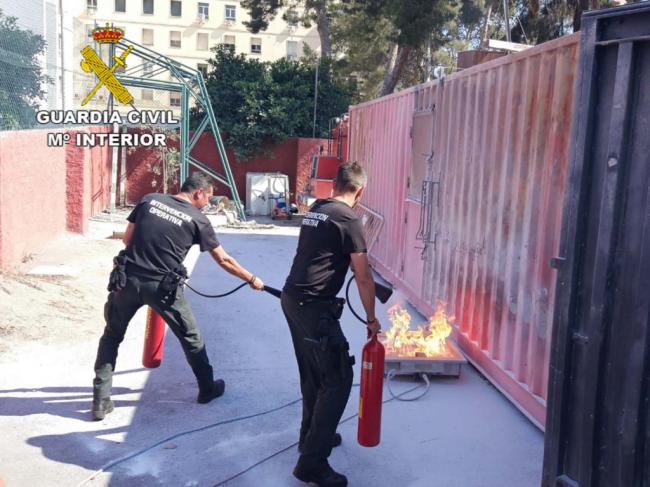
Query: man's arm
[128,233]
[366,285]
[231,266]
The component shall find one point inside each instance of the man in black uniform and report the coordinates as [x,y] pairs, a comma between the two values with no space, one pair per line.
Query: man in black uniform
[331,238]
[161,230]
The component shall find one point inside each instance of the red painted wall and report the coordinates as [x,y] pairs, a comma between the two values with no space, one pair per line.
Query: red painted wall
[88,181]
[32,194]
[291,157]
[45,191]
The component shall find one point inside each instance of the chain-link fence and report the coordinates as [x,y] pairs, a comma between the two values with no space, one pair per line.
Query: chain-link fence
[31,74]
[40,65]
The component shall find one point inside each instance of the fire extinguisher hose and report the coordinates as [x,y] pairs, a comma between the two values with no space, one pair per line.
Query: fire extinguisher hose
[268,289]
[217,295]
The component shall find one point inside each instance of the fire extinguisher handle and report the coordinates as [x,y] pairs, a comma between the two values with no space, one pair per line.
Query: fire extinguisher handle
[372,336]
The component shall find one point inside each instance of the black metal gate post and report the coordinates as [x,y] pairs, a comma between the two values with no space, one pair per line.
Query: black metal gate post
[598,422]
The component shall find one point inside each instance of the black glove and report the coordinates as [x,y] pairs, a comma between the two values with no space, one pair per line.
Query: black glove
[117,279]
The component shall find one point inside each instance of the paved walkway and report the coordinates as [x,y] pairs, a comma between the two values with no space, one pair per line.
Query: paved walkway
[463,433]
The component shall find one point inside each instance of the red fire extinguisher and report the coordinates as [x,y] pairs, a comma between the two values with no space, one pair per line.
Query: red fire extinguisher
[372,383]
[154,340]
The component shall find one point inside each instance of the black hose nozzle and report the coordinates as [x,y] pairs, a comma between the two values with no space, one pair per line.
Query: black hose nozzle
[271,290]
[383,293]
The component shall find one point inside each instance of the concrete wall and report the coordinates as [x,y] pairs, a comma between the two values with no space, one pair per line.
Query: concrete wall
[291,157]
[45,191]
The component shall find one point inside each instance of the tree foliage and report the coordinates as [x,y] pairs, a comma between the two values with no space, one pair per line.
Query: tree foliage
[391,44]
[388,39]
[305,12]
[256,102]
[21,76]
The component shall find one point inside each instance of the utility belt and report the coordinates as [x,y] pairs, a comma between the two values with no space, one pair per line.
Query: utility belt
[334,305]
[168,284]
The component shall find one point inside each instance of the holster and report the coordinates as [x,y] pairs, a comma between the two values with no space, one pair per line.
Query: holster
[117,278]
[168,286]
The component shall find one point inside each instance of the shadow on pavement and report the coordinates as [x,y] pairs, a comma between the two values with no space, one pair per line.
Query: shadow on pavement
[66,402]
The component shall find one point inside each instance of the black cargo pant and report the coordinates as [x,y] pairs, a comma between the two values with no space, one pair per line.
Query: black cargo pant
[118,311]
[325,374]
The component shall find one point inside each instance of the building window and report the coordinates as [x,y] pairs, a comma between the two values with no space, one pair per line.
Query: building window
[175,99]
[91,5]
[147,7]
[231,13]
[120,5]
[147,94]
[147,68]
[204,11]
[292,50]
[292,18]
[147,37]
[175,38]
[176,8]
[256,45]
[229,41]
[203,69]
[202,41]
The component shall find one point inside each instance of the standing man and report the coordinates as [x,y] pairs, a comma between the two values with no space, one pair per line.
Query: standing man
[161,230]
[331,238]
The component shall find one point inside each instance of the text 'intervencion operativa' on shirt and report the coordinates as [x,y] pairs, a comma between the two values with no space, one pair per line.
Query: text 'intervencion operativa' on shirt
[311,219]
[167,213]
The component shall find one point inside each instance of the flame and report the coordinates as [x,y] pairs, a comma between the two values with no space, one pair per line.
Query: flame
[401,340]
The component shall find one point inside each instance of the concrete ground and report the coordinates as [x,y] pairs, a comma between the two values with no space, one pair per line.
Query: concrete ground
[462,433]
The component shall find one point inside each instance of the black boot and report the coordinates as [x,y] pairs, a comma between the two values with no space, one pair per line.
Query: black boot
[322,475]
[216,390]
[336,441]
[101,407]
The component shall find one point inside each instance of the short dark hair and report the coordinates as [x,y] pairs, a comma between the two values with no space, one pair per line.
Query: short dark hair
[195,181]
[350,177]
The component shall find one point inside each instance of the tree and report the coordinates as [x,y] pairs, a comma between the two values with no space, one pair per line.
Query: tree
[388,39]
[21,76]
[259,102]
[262,12]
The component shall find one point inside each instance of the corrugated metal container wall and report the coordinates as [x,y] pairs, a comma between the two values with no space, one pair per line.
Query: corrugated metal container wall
[499,166]
[379,138]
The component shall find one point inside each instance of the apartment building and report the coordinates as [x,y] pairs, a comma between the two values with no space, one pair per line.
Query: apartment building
[184,30]
[45,18]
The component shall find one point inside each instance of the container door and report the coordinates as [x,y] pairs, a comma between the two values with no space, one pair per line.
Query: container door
[417,202]
[598,426]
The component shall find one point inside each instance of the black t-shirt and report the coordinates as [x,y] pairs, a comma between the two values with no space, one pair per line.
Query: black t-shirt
[330,232]
[165,229]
